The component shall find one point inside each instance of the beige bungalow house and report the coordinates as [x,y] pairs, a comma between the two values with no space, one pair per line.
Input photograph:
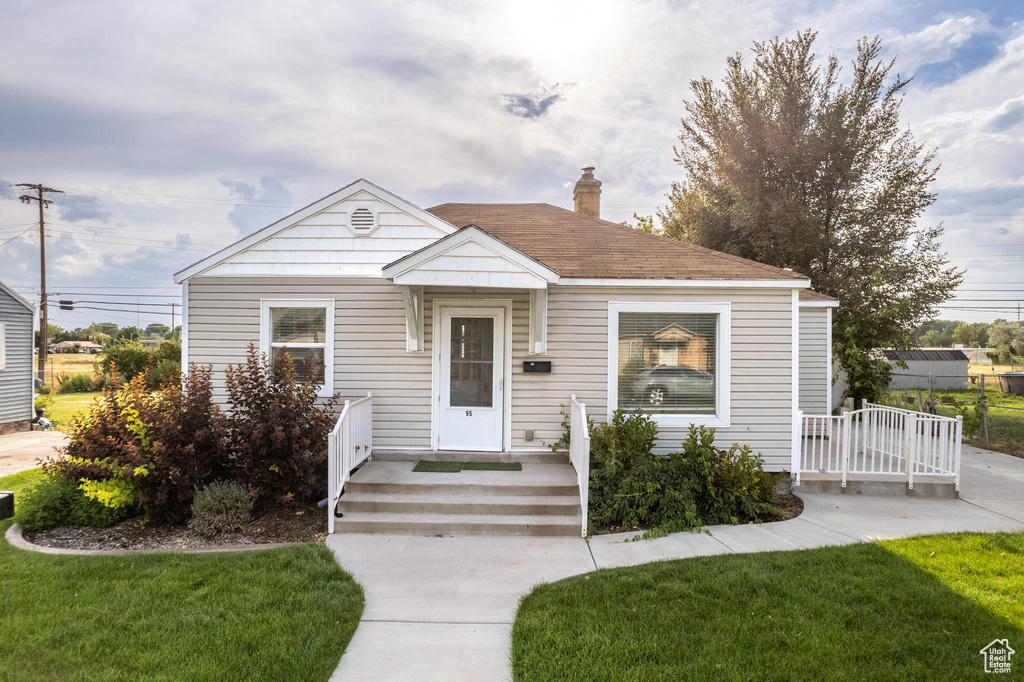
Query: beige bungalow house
[477,328]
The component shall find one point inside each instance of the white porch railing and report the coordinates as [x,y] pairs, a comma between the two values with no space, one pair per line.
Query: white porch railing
[579,452]
[879,439]
[349,445]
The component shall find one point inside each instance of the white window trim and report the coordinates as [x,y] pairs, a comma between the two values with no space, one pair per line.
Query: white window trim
[326,390]
[3,345]
[723,358]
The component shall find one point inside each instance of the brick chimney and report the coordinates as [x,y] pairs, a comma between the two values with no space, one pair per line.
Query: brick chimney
[586,195]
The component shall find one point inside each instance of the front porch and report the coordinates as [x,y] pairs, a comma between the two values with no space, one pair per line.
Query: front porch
[381,492]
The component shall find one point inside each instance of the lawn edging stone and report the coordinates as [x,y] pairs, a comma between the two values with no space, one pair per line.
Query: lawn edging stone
[16,539]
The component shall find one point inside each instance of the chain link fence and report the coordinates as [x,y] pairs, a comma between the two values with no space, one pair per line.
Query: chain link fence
[992,406]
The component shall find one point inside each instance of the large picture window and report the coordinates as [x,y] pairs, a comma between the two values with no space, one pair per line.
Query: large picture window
[305,331]
[670,361]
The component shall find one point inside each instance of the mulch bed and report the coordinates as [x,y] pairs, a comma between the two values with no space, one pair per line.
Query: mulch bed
[280,524]
[790,503]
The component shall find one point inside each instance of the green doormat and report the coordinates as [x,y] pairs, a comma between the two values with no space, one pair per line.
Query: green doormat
[438,467]
[455,467]
[492,466]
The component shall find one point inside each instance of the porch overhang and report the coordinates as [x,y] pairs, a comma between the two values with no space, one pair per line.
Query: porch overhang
[471,258]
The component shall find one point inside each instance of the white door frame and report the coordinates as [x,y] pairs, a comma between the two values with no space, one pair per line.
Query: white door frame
[435,365]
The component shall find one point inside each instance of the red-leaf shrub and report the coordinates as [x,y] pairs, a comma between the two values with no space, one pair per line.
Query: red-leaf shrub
[167,442]
[278,429]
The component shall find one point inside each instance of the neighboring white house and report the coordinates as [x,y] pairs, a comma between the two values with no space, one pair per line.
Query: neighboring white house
[939,368]
[473,324]
[75,347]
[16,318]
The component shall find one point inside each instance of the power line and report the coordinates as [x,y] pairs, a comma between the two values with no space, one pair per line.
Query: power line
[14,237]
[141,230]
[100,293]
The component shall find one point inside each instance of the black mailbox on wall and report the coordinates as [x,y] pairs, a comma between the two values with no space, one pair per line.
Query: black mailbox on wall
[537,366]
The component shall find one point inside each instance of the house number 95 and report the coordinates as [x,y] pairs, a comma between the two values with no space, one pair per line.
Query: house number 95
[469,413]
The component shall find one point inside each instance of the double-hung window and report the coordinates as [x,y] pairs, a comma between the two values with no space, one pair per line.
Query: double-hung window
[670,361]
[303,328]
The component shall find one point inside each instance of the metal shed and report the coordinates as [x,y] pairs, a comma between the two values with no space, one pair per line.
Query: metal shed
[16,318]
[939,368]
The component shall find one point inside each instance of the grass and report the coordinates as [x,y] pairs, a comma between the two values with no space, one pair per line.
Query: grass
[1005,413]
[20,482]
[65,405]
[901,610]
[282,614]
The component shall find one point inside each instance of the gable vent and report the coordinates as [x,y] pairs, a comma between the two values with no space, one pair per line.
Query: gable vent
[363,220]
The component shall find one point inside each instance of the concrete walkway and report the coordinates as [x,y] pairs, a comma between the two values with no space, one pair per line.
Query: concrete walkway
[441,608]
[19,451]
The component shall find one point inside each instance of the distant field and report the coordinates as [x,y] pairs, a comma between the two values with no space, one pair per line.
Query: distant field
[60,365]
[975,368]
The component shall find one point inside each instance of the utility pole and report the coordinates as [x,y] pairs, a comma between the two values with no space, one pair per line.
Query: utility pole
[44,342]
[172,317]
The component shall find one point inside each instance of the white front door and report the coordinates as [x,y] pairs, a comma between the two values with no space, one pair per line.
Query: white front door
[471,357]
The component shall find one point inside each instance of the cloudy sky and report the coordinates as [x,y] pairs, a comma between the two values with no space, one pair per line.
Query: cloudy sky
[176,128]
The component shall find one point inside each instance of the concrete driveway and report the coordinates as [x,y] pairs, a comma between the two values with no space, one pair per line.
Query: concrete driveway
[441,608]
[19,451]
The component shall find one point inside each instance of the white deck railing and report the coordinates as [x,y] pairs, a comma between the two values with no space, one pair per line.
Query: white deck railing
[879,439]
[579,452]
[349,445]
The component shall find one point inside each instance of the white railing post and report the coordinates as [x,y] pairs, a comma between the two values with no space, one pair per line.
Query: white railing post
[910,447]
[845,447]
[957,442]
[579,454]
[797,445]
[332,475]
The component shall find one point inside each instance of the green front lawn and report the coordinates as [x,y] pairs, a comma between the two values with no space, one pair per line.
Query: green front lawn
[899,610]
[66,405]
[282,614]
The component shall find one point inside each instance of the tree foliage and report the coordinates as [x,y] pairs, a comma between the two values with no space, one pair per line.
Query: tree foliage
[789,166]
[1006,339]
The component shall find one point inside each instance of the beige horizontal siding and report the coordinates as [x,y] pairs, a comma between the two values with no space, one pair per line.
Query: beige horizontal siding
[814,351]
[370,353]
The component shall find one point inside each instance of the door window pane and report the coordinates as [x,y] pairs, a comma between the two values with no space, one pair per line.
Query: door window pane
[306,360]
[298,325]
[472,362]
[667,362]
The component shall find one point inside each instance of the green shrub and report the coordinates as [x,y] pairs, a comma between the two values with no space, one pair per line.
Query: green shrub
[80,383]
[700,485]
[128,359]
[44,390]
[59,501]
[220,509]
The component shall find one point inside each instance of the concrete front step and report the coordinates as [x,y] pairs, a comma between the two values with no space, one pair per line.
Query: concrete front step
[536,457]
[457,524]
[531,505]
[389,497]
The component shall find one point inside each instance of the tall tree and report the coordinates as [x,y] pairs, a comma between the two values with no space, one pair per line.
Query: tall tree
[787,165]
